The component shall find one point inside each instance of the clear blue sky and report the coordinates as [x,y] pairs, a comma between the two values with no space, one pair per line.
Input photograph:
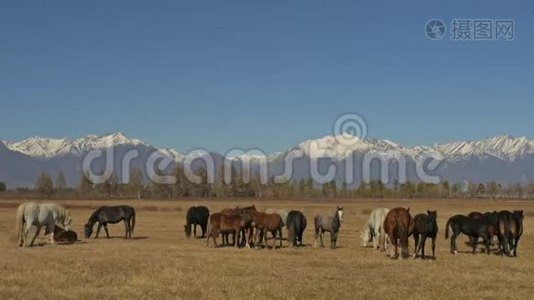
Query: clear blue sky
[266,74]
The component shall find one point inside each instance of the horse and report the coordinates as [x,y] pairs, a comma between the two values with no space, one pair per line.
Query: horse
[510,229]
[373,229]
[398,225]
[237,211]
[490,217]
[517,217]
[474,228]
[196,215]
[265,223]
[425,226]
[40,215]
[330,223]
[105,215]
[229,224]
[63,236]
[296,223]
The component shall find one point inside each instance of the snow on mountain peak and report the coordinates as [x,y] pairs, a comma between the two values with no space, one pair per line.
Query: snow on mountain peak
[49,147]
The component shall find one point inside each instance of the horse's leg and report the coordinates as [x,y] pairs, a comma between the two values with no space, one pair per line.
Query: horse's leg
[434,247]
[280,234]
[332,240]
[416,244]
[26,230]
[195,230]
[475,245]
[98,230]
[321,232]
[487,243]
[37,230]
[236,238]
[126,228]
[453,242]
[106,229]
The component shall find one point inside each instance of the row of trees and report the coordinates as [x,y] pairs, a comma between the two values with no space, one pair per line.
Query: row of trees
[303,188]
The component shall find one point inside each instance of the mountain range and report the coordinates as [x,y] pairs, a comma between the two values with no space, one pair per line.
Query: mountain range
[503,158]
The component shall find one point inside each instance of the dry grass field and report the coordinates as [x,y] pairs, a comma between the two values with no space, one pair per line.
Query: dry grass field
[161,263]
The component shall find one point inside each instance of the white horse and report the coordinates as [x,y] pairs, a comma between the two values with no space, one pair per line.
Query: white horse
[281,212]
[373,228]
[46,215]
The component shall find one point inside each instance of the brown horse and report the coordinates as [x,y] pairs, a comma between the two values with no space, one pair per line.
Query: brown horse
[63,236]
[398,225]
[225,224]
[265,222]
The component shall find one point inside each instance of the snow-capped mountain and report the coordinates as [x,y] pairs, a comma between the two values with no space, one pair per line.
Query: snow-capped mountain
[502,158]
[49,147]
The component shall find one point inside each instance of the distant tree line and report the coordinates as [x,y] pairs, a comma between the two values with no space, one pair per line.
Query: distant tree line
[138,188]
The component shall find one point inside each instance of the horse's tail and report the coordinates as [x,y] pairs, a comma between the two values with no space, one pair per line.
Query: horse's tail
[19,224]
[382,237]
[291,232]
[447,229]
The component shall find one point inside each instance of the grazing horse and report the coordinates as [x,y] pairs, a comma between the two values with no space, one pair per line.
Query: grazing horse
[63,236]
[296,223]
[398,225]
[111,215]
[237,211]
[425,226]
[510,229]
[196,215]
[330,223]
[40,215]
[474,228]
[228,224]
[373,229]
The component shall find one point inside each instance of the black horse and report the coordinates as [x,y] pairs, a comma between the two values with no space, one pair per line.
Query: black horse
[510,231]
[425,227]
[196,215]
[474,228]
[111,215]
[296,223]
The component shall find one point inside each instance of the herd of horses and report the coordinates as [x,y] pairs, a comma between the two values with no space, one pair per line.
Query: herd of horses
[250,227]
[393,227]
[385,229]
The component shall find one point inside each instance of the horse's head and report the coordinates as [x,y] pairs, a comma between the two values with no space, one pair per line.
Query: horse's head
[87,230]
[366,236]
[433,214]
[339,213]
[187,230]
[67,221]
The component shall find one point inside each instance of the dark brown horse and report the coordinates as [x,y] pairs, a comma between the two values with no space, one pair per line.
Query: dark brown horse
[63,236]
[425,226]
[266,223]
[398,225]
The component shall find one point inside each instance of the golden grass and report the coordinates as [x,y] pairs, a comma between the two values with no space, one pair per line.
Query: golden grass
[161,263]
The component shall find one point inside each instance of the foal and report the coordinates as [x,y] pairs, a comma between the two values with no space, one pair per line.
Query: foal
[425,226]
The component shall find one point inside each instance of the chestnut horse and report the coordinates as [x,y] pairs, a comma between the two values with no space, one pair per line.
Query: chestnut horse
[63,236]
[265,222]
[223,223]
[398,225]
